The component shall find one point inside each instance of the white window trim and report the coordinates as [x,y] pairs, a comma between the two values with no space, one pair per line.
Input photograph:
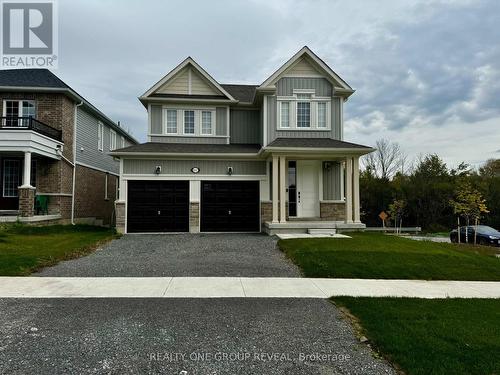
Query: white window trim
[100,136]
[212,127]
[280,125]
[181,126]
[293,100]
[165,114]
[122,141]
[184,122]
[112,140]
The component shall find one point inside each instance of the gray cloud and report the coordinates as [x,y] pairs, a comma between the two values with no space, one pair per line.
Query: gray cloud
[416,66]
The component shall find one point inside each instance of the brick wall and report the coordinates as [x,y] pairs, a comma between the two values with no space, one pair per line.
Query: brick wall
[332,211]
[89,195]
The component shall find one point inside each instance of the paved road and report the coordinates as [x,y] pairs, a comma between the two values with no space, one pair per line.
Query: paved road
[246,255]
[119,336]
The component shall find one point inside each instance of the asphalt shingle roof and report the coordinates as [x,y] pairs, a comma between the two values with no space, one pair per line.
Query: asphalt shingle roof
[243,93]
[31,78]
[313,143]
[189,148]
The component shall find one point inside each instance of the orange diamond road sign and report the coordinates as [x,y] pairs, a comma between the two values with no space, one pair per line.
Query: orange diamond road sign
[383,215]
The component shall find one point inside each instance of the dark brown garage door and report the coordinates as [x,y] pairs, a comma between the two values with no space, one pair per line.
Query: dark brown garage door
[230,206]
[158,206]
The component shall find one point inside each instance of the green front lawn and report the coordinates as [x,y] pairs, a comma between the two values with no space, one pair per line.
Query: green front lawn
[375,255]
[24,249]
[443,336]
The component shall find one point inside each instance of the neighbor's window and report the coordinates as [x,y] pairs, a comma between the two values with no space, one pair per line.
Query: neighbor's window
[303,111]
[100,136]
[112,140]
[122,141]
[206,122]
[13,109]
[189,122]
[285,114]
[171,121]
[321,115]
[11,177]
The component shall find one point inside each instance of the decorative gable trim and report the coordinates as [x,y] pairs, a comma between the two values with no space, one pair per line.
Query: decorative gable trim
[297,59]
[177,69]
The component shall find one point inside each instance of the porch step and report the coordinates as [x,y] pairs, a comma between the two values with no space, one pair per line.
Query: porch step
[330,231]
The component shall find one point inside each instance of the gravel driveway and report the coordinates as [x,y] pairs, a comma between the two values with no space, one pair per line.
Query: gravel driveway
[149,336]
[246,255]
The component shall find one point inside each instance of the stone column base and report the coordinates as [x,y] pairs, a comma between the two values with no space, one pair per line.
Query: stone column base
[332,211]
[120,216]
[26,201]
[194,217]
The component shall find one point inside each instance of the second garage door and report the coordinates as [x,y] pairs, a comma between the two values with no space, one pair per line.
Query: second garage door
[158,206]
[230,206]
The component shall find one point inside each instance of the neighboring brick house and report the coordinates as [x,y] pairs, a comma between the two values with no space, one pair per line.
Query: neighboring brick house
[243,158]
[54,148]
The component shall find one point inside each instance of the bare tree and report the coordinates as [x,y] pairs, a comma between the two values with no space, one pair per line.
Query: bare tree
[387,160]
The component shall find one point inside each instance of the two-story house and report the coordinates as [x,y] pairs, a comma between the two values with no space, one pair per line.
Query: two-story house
[236,158]
[54,152]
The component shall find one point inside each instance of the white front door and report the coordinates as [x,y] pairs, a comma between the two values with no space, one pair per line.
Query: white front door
[308,188]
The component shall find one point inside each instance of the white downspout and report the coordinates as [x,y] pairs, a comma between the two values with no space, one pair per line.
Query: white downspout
[74,165]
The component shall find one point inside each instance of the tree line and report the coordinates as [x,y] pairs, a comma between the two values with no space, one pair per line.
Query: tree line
[426,192]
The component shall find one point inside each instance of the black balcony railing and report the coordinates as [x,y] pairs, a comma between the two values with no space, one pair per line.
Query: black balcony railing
[29,123]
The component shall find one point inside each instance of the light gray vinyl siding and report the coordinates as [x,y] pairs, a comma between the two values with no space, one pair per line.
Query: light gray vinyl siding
[221,121]
[183,167]
[286,85]
[156,119]
[87,143]
[332,181]
[245,126]
[197,140]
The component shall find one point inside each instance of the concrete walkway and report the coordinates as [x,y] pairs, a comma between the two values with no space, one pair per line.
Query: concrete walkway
[237,287]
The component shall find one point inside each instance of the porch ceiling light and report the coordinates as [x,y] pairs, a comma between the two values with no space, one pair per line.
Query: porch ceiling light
[158,169]
[229,171]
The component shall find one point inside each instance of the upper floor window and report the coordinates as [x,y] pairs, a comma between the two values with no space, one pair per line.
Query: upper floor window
[285,115]
[303,111]
[100,136]
[13,109]
[171,121]
[188,122]
[206,122]
[322,115]
[122,141]
[112,140]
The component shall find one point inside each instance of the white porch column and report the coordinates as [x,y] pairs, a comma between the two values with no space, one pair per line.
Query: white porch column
[282,189]
[348,190]
[27,170]
[274,179]
[355,190]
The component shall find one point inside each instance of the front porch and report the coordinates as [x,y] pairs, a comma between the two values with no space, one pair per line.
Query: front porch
[313,193]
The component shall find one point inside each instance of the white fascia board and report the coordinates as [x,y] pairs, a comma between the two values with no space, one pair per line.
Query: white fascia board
[174,71]
[305,51]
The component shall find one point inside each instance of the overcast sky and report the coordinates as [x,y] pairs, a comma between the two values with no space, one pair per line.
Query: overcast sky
[426,74]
